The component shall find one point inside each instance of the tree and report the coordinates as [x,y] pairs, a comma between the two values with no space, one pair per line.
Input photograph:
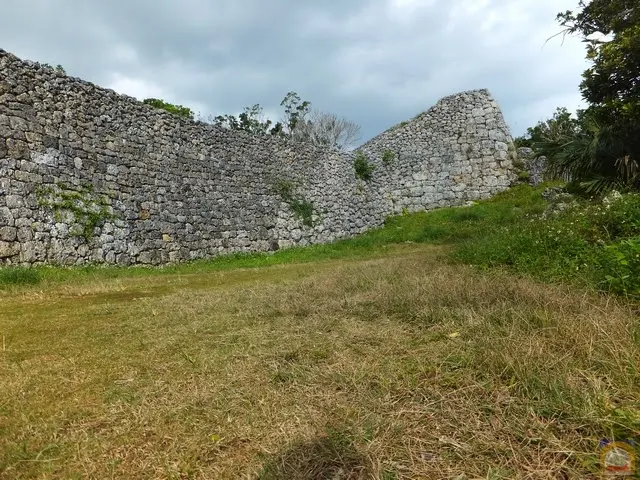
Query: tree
[327,129]
[295,111]
[178,110]
[299,124]
[611,29]
[250,120]
[604,151]
[315,127]
[561,124]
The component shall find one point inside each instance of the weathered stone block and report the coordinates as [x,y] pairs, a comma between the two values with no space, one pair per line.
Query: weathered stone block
[14,201]
[9,249]
[8,234]
[6,217]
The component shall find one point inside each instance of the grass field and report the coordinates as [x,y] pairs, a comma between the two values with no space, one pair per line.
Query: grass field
[374,358]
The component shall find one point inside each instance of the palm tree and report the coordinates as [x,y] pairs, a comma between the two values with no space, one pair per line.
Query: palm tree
[597,157]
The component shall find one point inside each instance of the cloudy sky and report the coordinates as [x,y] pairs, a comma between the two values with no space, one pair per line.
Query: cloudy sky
[376,62]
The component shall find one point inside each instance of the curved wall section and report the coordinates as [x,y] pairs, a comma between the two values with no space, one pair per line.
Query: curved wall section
[90,176]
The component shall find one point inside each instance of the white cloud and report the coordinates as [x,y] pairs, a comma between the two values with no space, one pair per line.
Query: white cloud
[125,54]
[374,61]
[403,10]
[135,87]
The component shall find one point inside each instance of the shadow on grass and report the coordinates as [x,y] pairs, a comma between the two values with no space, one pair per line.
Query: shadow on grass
[333,456]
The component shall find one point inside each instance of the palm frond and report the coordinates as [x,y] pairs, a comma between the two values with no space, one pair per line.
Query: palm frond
[595,157]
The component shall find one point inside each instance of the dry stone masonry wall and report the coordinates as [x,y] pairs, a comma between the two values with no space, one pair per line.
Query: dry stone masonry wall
[534,167]
[90,176]
[460,150]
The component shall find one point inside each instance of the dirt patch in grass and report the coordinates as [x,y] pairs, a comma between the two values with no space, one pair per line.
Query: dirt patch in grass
[388,368]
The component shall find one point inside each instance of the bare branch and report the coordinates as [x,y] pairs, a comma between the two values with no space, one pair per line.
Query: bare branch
[327,129]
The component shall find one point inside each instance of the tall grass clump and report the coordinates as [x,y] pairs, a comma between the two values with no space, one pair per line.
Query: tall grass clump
[18,276]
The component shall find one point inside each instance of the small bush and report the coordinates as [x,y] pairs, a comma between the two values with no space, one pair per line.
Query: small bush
[178,110]
[364,170]
[518,163]
[524,176]
[388,156]
[58,68]
[285,188]
[304,210]
[618,216]
[624,277]
[301,207]
[18,276]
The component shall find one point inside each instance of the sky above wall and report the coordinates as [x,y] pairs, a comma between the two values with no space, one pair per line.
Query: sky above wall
[376,62]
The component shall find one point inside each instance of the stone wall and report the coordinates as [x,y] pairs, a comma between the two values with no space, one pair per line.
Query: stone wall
[460,150]
[90,176]
[535,167]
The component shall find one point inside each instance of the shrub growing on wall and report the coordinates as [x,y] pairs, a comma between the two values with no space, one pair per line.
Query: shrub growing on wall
[302,208]
[169,107]
[388,156]
[364,170]
[86,209]
[58,68]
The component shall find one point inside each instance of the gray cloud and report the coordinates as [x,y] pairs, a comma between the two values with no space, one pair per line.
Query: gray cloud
[376,62]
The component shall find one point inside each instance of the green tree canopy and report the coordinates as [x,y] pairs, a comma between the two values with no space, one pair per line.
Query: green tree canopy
[562,123]
[299,124]
[250,120]
[603,150]
[611,29]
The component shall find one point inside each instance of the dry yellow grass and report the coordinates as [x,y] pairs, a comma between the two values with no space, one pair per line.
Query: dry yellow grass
[388,368]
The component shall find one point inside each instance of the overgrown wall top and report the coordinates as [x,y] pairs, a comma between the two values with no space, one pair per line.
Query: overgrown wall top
[90,176]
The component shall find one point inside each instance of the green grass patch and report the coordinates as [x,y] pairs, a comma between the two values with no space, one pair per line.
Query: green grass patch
[458,224]
[19,276]
[593,243]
